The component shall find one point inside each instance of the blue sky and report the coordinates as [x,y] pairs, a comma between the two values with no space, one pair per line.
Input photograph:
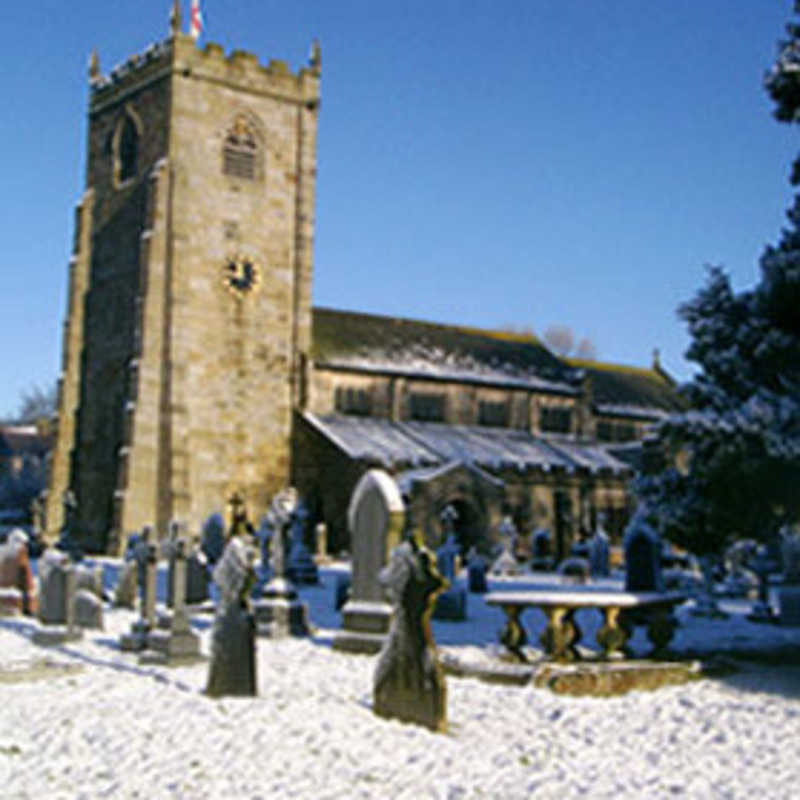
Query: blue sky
[492,163]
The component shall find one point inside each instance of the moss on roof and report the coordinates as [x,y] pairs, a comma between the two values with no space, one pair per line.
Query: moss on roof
[351,335]
[358,340]
[623,385]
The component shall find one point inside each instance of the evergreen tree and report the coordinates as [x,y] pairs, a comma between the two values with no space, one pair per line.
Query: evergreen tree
[734,466]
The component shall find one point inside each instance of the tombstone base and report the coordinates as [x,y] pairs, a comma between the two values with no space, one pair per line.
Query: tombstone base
[505,564]
[54,635]
[166,647]
[279,616]
[136,640]
[451,605]
[365,626]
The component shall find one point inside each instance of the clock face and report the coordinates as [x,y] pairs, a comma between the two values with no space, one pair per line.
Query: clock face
[241,276]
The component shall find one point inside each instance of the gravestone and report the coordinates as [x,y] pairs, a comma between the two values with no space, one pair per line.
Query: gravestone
[542,551]
[278,611]
[197,575]
[232,670]
[789,592]
[17,586]
[57,593]
[90,578]
[54,566]
[762,565]
[506,563]
[477,567]
[178,644]
[88,609]
[376,519]
[574,569]
[300,566]
[137,638]
[125,590]
[213,538]
[642,556]
[451,604]
[409,682]
[599,553]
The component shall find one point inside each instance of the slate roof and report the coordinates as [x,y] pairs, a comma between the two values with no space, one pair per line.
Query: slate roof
[414,445]
[370,343]
[350,340]
[626,391]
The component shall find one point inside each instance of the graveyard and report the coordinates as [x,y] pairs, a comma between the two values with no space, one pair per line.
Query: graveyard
[174,689]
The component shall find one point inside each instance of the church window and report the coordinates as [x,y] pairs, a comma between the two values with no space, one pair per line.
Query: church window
[427,407]
[493,414]
[357,402]
[128,150]
[555,419]
[605,431]
[240,150]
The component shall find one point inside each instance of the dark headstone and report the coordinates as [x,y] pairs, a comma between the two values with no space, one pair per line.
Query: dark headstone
[599,554]
[642,557]
[477,567]
[233,645]
[213,538]
[409,681]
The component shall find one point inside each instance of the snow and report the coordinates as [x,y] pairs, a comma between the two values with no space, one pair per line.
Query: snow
[117,729]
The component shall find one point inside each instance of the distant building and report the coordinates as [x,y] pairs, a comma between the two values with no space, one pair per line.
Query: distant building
[24,454]
[194,364]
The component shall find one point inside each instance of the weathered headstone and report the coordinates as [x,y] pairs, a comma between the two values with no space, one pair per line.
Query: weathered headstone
[599,553]
[125,590]
[376,519]
[213,538]
[477,567]
[642,556]
[54,566]
[409,682]
[179,643]
[88,609]
[57,612]
[574,569]
[451,604]
[278,611]
[542,551]
[196,575]
[232,670]
[16,575]
[506,563]
[300,566]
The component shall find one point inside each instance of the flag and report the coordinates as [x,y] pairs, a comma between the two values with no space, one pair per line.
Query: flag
[196,23]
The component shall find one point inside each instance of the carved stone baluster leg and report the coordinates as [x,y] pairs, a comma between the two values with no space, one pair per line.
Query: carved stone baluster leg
[613,635]
[513,635]
[572,633]
[559,635]
[661,629]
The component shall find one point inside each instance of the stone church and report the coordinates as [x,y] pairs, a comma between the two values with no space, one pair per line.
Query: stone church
[194,364]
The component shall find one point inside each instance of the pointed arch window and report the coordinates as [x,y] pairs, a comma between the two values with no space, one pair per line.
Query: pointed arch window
[126,147]
[240,150]
[128,150]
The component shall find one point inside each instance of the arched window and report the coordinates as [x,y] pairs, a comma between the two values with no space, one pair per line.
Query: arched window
[128,150]
[240,150]
[126,147]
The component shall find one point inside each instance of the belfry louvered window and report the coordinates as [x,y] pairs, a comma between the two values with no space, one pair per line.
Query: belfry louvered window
[240,151]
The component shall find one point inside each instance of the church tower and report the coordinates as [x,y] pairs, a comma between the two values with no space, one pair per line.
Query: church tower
[189,319]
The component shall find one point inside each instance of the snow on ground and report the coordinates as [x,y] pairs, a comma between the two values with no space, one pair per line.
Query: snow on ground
[119,730]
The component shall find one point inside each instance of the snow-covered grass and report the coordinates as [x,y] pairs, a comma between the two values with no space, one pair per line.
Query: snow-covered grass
[119,730]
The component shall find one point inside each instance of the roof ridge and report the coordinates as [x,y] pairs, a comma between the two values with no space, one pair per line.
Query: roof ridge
[608,366]
[513,336]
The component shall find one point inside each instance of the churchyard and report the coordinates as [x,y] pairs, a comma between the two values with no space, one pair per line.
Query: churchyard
[137,699]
